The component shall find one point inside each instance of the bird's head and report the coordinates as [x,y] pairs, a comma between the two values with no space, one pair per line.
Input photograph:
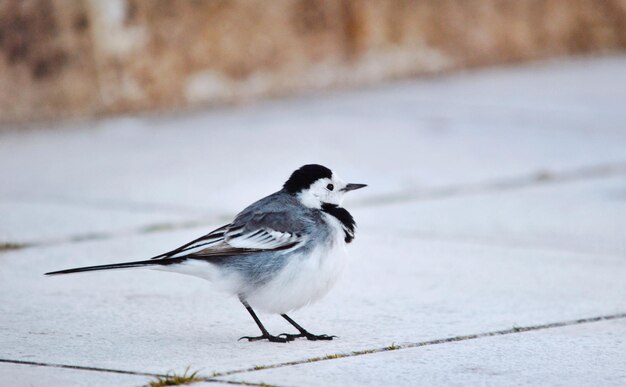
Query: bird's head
[315,185]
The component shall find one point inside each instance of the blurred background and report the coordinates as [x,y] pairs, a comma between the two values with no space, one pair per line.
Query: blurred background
[64,59]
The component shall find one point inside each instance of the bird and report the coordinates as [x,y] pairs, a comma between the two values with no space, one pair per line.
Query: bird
[278,255]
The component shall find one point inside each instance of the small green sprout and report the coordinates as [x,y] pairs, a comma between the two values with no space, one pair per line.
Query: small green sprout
[392,347]
[171,379]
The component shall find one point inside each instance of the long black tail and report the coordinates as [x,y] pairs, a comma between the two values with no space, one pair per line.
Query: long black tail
[124,265]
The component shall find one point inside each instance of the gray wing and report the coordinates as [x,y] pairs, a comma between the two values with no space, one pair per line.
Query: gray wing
[255,229]
[266,231]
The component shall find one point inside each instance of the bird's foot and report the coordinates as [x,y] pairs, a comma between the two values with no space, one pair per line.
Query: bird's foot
[309,336]
[268,337]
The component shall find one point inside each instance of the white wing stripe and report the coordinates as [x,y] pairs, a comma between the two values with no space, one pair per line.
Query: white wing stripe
[262,239]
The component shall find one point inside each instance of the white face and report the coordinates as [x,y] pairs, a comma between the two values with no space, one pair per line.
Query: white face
[324,191]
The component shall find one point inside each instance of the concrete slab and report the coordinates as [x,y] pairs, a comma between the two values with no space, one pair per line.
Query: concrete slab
[586,216]
[396,290]
[32,222]
[581,355]
[21,375]
[409,136]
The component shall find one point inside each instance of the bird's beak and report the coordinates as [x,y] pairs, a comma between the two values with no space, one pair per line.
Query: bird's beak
[352,187]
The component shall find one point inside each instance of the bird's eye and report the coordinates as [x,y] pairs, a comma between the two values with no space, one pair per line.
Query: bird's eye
[330,187]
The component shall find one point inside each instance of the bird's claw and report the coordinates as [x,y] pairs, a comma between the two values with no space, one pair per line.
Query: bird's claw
[273,339]
[309,336]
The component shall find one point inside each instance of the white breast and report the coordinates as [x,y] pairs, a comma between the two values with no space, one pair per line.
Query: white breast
[304,279]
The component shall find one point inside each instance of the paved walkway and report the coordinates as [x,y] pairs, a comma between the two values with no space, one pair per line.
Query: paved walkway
[491,246]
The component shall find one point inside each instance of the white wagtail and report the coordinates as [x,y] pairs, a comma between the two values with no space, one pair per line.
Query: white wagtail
[279,254]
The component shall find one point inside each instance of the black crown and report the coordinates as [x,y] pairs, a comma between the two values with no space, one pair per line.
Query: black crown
[306,175]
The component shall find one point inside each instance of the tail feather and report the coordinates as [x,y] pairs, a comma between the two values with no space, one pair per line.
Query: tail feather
[123,265]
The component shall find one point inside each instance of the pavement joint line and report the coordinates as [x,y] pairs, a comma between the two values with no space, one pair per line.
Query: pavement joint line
[123,372]
[503,184]
[395,347]
[513,244]
[97,236]
[81,368]
[538,178]
[12,246]
[392,347]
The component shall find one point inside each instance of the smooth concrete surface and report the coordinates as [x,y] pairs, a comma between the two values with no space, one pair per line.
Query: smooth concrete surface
[496,202]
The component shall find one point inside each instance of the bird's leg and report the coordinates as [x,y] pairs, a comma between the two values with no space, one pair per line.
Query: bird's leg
[265,334]
[303,332]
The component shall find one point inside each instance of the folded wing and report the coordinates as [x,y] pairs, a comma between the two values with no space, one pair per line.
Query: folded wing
[246,235]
